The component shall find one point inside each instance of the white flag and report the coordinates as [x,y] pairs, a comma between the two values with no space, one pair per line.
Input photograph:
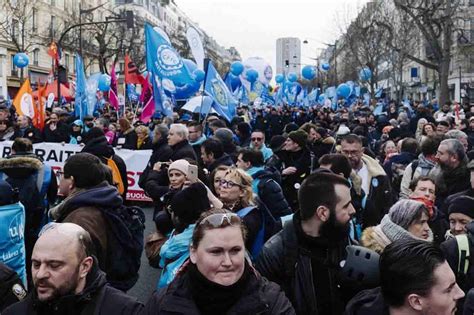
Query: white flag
[194,41]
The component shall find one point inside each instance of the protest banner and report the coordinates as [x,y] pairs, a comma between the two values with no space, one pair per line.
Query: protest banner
[56,154]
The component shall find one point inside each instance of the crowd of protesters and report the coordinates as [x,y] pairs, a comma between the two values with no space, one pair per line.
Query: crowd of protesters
[282,210]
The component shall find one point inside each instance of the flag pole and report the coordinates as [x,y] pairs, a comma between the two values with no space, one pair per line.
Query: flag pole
[206,66]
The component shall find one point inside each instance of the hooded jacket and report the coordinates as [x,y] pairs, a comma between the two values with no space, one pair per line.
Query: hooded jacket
[103,150]
[96,298]
[83,208]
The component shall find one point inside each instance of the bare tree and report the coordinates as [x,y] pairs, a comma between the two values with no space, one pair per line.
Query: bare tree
[17,27]
[437,21]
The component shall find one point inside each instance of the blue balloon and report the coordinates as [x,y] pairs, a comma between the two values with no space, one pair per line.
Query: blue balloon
[308,72]
[21,60]
[292,77]
[236,68]
[321,99]
[343,90]
[104,83]
[279,78]
[325,66]
[251,75]
[365,74]
[234,81]
[199,75]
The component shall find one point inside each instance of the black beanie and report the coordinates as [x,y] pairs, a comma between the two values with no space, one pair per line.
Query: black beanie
[189,203]
[299,136]
[462,204]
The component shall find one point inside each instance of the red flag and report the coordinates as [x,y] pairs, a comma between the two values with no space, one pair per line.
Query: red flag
[113,99]
[146,90]
[53,51]
[148,110]
[38,119]
[132,75]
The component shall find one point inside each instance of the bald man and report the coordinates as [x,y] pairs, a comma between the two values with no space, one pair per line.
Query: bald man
[67,279]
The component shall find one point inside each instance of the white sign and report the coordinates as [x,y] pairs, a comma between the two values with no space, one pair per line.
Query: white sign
[50,101]
[56,154]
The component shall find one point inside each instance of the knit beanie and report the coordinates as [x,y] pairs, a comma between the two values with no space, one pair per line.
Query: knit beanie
[402,213]
[179,165]
[462,204]
[299,136]
[189,203]
[277,142]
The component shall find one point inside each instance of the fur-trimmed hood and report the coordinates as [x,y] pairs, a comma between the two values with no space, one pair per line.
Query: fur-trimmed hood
[20,166]
[373,238]
[373,166]
[329,140]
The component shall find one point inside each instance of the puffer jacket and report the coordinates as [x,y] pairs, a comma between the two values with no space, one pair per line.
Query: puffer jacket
[265,185]
[96,298]
[259,297]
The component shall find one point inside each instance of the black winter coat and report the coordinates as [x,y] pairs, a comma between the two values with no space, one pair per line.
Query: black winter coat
[223,160]
[301,160]
[367,302]
[283,260]
[271,194]
[259,297]
[96,298]
[469,303]
[161,153]
[30,133]
[128,140]
[11,287]
[60,134]
[183,150]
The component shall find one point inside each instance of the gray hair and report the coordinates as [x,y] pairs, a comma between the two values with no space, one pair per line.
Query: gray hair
[405,212]
[455,147]
[455,134]
[162,129]
[181,130]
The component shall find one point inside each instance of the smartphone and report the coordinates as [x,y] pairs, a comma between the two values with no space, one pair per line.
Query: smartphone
[193,173]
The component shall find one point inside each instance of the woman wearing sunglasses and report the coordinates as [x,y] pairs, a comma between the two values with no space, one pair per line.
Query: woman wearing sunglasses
[218,279]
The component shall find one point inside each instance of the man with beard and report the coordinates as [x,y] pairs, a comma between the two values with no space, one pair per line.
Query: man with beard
[452,174]
[67,279]
[304,258]
[374,181]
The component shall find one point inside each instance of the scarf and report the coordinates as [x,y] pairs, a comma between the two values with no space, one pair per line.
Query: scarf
[212,298]
[395,232]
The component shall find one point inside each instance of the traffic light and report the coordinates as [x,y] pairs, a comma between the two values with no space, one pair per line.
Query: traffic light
[287,63]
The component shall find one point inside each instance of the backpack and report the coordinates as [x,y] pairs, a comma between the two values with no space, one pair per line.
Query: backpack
[125,235]
[116,177]
[260,239]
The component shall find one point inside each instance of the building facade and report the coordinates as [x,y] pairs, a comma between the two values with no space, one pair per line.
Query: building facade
[288,55]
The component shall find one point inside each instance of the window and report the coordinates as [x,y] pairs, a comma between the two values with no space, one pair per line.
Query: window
[53,2]
[52,26]
[34,20]
[472,30]
[15,29]
[14,69]
[66,56]
[36,56]
[471,2]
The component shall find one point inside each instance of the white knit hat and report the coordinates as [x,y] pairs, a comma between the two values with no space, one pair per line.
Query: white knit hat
[179,165]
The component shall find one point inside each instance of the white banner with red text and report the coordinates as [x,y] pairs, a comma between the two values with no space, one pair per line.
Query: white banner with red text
[56,154]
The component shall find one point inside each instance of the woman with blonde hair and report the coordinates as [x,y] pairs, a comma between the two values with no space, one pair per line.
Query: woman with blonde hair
[237,195]
[144,141]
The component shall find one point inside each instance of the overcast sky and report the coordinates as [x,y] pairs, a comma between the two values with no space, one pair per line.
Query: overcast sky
[253,26]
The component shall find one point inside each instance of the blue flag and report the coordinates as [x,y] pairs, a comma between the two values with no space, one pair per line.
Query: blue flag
[132,93]
[224,102]
[163,60]
[80,107]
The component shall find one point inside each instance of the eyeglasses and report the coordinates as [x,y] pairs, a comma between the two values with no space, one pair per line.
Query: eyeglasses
[217,220]
[256,139]
[228,183]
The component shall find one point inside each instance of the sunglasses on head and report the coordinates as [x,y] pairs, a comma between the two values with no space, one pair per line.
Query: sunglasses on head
[217,220]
